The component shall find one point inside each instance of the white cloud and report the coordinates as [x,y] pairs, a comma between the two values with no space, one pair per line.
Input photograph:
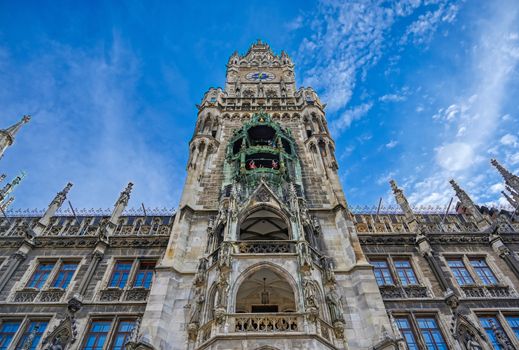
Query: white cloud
[391,144]
[392,98]
[509,140]
[348,38]
[348,116]
[455,156]
[421,30]
[87,129]
[476,118]
[497,187]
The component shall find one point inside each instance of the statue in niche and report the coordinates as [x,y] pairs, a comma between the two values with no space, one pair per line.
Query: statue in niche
[201,272]
[472,344]
[329,275]
[305,258]
[334,304]
[223,286]
[199,302]
[225,255]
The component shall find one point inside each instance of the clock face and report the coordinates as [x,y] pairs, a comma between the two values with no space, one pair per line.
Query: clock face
[260,76]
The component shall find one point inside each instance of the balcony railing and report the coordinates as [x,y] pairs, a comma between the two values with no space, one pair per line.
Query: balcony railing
[492,291]
[267,323]
[266,247]
[391,291]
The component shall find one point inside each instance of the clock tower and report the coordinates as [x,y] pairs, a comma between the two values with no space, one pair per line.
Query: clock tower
[263,253]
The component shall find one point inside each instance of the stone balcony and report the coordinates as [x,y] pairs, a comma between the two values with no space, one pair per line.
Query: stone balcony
[391,291]
[491,291]
[257,325]
[266,247]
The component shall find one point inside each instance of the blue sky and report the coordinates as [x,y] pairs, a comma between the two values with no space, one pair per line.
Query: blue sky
[418,91]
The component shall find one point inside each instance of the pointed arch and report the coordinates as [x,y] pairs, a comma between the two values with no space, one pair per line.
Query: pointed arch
[273,268]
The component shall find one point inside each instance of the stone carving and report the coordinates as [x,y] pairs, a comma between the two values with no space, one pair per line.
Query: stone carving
[472,344]
[137,294]
[310,295]
[266,247]
[334,304]
[223,287]
[111,294]
[199,299]
[51,296]
[264,323]
[262,195]
[305,258]
[329,275]
[201,272]
[225,256]
[25,296]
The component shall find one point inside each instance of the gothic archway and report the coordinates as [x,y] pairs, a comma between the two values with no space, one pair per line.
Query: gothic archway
[265,291]
[250,288]
[264,224]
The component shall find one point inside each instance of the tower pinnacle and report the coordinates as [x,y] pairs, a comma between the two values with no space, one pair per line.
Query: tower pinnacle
[7,135]
[510,179]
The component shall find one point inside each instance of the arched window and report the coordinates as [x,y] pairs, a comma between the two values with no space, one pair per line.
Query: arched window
[264,225]
[265,291]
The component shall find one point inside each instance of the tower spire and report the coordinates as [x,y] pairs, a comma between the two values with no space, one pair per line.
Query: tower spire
[404,205]
[7,135]
[510,179]
[56,203]
[469,205]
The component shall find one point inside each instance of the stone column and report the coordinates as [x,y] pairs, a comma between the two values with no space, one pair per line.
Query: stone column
[97,256]
[16,259]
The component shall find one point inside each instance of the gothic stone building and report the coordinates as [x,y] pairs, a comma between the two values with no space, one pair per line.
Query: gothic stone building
[263,251]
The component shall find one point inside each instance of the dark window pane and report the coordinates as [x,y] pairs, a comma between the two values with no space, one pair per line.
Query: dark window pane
[407,333]
[96,336]
[460,272]
[483,271]
[382,272]
[492,326]
[513,321]
[7,331]
[34,326]
[405,272]
[122,334]
[40,275]
[431,333]
[65,273]
[144,275]
[120,274]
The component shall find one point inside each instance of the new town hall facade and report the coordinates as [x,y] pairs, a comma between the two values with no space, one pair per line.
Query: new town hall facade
[263,251]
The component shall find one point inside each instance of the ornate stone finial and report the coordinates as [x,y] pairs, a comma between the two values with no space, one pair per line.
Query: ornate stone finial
[62,195]
[7,135]
[8,188]
[510,179]
[464,198]
[125,195]
[510,200]
[401,199]
[6,204]
[2,177]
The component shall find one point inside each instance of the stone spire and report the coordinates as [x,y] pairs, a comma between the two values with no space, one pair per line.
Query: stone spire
[510,179]
[402,201]
[7,135]
[56,203]
[469,205]
[2,177]
[4,192]
[119,207]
